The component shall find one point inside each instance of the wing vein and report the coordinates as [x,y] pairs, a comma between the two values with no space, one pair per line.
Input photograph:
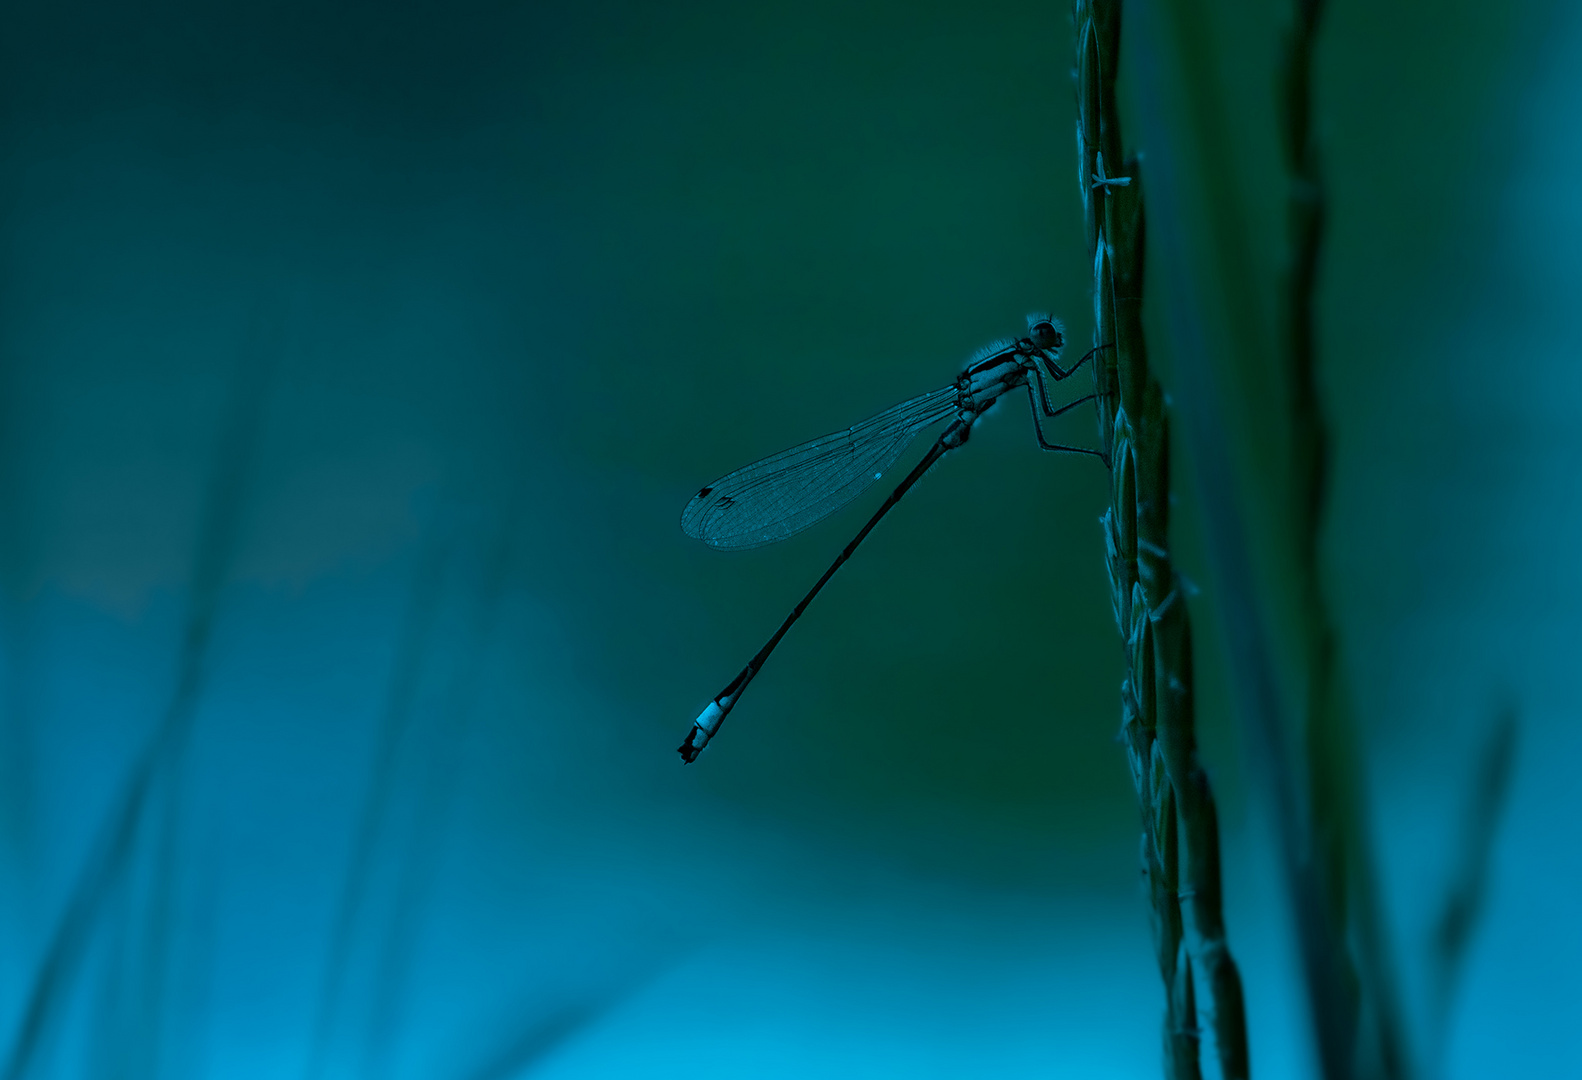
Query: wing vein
[782,494]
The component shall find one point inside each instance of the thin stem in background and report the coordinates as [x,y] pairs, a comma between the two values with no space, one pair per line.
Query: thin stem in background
[539,1037]
[407,667]
[156,772]
[1467,894]
[1248,645]
[18,660]
[1180,842]
[1320,831]
[1248,640]
[392,979]
[1336,804]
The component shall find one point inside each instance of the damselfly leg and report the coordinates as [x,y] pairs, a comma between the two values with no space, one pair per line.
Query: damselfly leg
[1038,427]
[1055,371]
[1040,403]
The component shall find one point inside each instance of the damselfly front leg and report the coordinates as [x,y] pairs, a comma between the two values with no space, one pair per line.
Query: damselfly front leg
[1058,374]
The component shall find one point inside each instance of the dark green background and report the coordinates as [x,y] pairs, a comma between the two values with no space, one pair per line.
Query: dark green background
[501,286]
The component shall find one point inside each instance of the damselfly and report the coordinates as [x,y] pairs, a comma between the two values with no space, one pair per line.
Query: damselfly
[784,493]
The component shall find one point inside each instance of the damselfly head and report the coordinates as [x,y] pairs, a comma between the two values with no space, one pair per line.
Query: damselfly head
[1046,331]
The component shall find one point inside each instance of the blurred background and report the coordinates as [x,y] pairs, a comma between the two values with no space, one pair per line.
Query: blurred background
[356,361]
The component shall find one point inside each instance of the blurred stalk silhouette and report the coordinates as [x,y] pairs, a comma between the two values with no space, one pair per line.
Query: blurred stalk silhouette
[1281,635]
[392,979]
[1337,808]
[1254,555]
[537,1039]
[1180,841]
[17,658]
[406,668]
[147,812]
[1452,931]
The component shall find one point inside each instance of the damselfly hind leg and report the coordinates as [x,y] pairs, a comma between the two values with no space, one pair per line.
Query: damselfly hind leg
[1038,429]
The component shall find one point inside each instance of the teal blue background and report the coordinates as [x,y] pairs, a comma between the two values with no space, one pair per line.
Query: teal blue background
[356,361]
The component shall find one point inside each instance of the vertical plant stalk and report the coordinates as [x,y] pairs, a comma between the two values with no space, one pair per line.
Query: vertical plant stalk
[148,804]
[1467,895]
[1338,838]
[1180,841]
[406,672]
[393,981]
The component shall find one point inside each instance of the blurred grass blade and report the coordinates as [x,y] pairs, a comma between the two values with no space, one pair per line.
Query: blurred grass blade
[406,669]
[392,976]
[156,769]
[1453,930]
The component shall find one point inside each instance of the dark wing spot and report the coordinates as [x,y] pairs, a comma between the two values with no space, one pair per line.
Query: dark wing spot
[704,492]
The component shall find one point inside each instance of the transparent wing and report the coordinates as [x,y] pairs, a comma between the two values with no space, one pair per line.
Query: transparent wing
[784,493]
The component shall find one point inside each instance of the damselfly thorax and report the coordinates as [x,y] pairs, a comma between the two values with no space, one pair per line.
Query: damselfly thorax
[784,493]
[994,372]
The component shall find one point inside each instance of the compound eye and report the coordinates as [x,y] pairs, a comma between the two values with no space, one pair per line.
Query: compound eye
[1046,331]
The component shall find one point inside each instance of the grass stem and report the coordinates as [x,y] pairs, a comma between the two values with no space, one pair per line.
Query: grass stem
[1336,810]
[1180,841]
